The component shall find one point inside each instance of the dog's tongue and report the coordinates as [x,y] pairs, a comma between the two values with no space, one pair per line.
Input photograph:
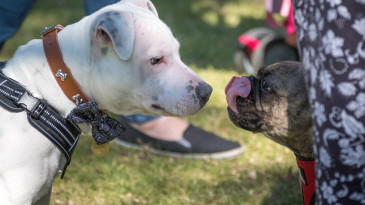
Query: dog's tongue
[237,86]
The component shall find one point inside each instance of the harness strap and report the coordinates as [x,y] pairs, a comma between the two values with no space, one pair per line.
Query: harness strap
[2,64]
[10,92]
[62,132]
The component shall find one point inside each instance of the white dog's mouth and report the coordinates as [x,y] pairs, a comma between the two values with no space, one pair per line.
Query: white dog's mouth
[161,110]
[157,107]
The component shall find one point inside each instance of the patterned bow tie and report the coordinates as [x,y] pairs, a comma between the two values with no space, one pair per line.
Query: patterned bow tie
[104,129]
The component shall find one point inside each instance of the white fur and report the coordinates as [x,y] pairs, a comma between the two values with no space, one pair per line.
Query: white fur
[120,78]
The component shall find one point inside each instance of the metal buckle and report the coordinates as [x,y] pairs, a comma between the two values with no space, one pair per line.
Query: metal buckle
[49,29]
[26,100]
[38,108]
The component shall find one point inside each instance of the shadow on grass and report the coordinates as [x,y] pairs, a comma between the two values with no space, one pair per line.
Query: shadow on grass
[285,191]
[282,182]
[204,31]
[154,179]
[203,27]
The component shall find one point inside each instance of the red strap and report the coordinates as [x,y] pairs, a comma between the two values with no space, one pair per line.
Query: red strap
[59,69]
[308,176]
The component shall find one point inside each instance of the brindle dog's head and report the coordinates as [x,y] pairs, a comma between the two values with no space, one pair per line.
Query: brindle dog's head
[275,104]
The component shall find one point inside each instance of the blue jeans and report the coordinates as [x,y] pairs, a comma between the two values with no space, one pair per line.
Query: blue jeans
[13,13]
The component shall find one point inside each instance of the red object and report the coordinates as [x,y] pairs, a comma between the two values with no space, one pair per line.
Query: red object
[289,23]
[285,9]
[250,42]
[308,176]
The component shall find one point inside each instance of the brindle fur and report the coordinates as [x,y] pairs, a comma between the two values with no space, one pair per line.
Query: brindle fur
[282,111]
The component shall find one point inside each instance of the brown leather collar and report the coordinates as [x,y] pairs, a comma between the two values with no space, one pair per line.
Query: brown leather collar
[59,69]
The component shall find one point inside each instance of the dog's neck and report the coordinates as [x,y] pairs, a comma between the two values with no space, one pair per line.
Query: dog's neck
[30,68]
[74,43]
[303,145]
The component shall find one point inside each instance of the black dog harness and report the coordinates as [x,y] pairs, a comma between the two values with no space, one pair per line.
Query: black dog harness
[61,131]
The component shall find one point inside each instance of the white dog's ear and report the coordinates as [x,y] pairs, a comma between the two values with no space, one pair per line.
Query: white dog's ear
[145,4]
[152,7]
[116,28]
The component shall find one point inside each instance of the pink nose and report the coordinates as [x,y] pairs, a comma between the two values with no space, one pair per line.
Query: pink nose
[237,86]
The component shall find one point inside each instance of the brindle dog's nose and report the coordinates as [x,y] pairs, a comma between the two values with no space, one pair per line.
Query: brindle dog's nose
[203,91]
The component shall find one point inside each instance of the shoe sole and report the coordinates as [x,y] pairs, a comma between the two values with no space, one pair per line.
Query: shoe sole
[230,154]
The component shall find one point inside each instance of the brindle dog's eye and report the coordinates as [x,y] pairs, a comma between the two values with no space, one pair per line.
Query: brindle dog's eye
[264,85]
[156,60]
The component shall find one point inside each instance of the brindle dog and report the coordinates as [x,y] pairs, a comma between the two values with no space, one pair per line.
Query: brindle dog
[275,103]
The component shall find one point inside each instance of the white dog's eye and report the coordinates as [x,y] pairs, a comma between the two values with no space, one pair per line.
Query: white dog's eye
[264,85]
[156,60]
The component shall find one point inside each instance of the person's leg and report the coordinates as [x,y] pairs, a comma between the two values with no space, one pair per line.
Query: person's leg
[155,126]
[93,5]
[331,37]
[12,14]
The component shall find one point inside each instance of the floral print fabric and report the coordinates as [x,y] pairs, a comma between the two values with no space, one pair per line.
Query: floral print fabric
[331,35]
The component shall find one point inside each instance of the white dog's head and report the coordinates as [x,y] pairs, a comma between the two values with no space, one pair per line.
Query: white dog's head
[136,66]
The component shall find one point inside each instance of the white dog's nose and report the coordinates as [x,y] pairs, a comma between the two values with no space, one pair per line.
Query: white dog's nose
[203,91]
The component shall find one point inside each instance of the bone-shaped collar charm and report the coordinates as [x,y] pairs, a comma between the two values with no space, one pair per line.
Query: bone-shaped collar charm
[61,75]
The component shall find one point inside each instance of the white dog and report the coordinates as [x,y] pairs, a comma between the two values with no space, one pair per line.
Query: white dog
[123,57]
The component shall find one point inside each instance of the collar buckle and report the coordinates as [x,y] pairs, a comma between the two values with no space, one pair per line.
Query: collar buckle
[50,29]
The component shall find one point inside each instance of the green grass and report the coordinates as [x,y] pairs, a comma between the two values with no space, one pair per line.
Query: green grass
[208,31]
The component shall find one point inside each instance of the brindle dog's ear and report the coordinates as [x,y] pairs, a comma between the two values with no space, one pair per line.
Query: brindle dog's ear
[116,28]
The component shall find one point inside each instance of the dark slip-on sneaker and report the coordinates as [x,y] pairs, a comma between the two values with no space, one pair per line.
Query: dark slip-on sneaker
[195,143]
